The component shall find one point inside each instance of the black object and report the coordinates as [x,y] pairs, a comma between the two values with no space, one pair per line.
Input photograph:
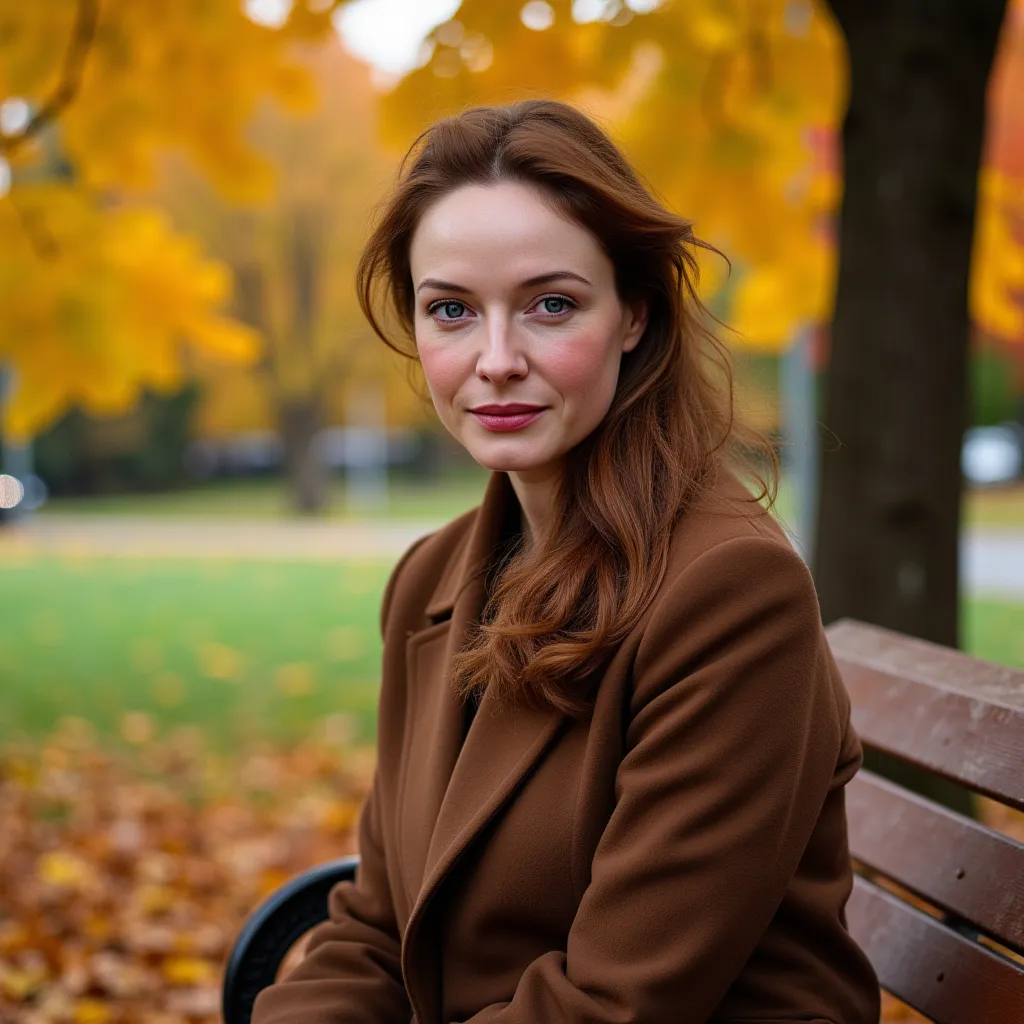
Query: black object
[272,929]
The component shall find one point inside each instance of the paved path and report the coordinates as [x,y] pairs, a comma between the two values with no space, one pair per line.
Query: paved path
[211,537]
[992,561]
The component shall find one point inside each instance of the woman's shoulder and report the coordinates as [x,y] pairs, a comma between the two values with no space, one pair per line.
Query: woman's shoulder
[726,510]
[730,561]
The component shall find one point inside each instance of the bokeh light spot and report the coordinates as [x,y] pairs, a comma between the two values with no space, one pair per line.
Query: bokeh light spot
[218,661]
[294,679]
[11,488]
[537,15]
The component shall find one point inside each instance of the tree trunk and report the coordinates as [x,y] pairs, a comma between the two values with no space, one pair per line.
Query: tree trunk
[300,420]
[896,387]
[300,409]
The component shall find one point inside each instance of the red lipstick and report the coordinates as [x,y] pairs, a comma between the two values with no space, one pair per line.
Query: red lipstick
[513,416]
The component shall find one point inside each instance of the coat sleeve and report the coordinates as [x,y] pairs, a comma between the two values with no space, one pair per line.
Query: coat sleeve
[731,747]
[351,972]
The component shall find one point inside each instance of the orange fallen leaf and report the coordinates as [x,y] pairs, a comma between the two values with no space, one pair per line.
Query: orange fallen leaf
[92,1011]
[65,869]
[188,971]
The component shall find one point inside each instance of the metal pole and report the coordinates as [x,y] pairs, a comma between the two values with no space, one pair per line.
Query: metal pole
[799,429]
[16,461]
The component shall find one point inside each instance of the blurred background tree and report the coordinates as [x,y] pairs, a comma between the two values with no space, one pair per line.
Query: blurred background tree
[98,292]
[897,391]
[293,260]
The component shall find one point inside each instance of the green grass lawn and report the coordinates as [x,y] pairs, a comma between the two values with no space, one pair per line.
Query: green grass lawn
[248,650]
[268,498]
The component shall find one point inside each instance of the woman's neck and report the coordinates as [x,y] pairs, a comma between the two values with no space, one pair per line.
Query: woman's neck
[535,491]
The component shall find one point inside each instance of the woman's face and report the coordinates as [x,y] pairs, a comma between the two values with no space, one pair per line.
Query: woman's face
[517,305]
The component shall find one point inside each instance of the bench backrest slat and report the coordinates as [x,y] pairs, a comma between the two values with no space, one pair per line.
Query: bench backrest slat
[920,960]
[952,862]
[955,715]
[960,884]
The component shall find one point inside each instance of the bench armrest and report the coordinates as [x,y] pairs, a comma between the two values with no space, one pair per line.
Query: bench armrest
[271,930]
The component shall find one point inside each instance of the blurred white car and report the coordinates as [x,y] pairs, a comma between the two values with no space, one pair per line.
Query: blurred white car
[993,455]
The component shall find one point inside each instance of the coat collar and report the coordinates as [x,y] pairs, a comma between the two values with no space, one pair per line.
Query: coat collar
[458,786]
[496,512]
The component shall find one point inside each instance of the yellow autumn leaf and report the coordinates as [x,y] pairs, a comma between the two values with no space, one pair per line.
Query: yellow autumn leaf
[762,309]
[997,264]
[19,984]
[294,679]
[153,899]
[92,1011]
[188,970]
[218,661]
[714,30]
[339,815]
[65,869]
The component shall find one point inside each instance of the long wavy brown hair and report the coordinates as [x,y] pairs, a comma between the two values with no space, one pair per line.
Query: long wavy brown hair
[557,611]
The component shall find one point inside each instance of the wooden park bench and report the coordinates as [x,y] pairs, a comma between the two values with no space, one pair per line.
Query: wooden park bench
[938,899]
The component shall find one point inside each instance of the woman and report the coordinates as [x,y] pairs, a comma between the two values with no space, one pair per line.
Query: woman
[645,820]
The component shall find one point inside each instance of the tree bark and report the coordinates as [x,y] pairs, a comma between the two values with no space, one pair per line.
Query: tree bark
[300,420]
[896,389]
[895,404]
[300,409]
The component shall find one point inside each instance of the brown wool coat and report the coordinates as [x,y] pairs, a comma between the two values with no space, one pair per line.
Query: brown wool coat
[679,857]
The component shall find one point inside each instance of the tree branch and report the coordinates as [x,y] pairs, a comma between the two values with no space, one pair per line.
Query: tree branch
[82,36]
[43,244]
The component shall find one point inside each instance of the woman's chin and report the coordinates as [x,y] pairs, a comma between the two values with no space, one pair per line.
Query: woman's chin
[508,461]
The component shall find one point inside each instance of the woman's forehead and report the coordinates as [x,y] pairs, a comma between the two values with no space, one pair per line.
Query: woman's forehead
[505,229]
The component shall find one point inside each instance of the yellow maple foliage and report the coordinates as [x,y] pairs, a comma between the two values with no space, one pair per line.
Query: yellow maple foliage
[107,315]
[99,295]
[721,104]
[731,110]
[295,255]
[997,269]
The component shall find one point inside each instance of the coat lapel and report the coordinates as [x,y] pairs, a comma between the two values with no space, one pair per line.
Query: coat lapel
[467,786]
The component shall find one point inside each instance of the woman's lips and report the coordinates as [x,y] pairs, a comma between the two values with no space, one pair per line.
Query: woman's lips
[512,421]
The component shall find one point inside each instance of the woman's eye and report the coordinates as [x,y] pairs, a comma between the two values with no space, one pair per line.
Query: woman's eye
[555,305]
[448,310]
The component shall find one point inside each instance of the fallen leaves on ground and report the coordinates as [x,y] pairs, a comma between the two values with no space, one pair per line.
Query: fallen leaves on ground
[127,870]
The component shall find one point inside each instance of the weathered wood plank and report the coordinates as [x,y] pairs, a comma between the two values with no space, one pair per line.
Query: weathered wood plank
[951,861]
[929,966]
[932,706]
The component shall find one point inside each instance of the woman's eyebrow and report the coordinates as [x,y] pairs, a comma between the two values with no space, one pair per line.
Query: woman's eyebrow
[532,282]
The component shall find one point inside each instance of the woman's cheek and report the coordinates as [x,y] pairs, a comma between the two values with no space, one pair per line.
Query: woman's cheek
[578,366]
[442,370]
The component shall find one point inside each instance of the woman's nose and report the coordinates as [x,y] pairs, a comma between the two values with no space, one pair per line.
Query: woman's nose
[502,355]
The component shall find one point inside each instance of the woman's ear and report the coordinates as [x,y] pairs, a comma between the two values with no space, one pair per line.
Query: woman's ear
[634,318]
